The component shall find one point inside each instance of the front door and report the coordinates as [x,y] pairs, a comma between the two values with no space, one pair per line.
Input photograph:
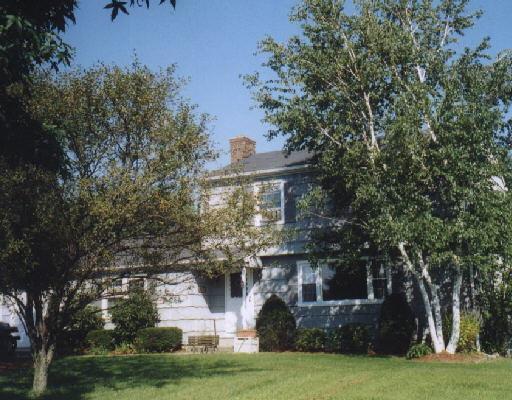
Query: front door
[239,301]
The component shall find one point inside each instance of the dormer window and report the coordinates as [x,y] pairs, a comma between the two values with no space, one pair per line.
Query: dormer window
[270,201]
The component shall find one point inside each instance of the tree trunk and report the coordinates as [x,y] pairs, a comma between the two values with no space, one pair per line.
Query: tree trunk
[42,360]
[438,345]
[454,339]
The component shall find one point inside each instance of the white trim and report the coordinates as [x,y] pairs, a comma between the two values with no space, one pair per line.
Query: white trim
[319,301]
[257,186]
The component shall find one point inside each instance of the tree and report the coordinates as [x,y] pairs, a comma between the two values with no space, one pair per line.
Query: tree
[30,35]
[127,201]
[136,312]
[411,138]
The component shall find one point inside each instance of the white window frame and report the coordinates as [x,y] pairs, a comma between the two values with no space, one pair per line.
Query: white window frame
[258,221]
[347,302]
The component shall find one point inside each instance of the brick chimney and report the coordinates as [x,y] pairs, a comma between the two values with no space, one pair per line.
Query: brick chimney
[241,147]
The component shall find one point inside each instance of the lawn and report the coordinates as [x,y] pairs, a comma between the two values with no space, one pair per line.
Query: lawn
[264,376]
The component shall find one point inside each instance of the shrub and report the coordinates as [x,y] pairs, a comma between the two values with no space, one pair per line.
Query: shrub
[418,350]
[130,315]
[275,325]
[158,340]
[73,338]
[310,340]
[469,330]
[349,339]
[496,335]
[333,341]
[396,325]
[125,348]
[100,340]
[355,338]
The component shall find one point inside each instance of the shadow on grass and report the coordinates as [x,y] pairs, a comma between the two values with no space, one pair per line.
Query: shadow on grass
[72,378]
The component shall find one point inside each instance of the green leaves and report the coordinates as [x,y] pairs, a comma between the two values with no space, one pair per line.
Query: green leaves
[408,132]
[118,5]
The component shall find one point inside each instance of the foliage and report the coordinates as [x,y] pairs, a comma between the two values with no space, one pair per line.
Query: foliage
[496,303]
[100,339]
[128,194]
[411,136]
[469,330]
[130,315]
[396,325]
[158,340]
[275,325]
[418,351]
[349,339]
[73,337]
[310,340]
[124,349]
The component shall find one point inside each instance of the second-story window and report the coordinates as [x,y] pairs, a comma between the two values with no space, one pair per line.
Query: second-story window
[270,202]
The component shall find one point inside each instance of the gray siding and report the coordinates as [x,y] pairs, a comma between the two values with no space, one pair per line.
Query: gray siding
[279,276]
[195,305]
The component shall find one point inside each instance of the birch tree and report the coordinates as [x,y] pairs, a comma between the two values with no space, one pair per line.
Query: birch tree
[411,135]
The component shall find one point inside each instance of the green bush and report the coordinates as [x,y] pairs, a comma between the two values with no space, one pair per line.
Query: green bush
[73,337]
[349,339]
[418,350]
[158,340]
[130,315]
[124,349]
[496,334]
[100,339]
[275,325]
[469,330]
[311,340]
[396,325]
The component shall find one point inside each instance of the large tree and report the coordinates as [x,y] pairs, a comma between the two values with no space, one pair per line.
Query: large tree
[127,201]
[31,35]
[411,138]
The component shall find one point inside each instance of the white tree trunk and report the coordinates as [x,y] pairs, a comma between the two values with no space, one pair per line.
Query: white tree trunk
[436,306]
[438,344]
[454,338]
[437,337]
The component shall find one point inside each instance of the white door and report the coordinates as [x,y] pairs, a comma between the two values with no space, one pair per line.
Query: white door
[239,301]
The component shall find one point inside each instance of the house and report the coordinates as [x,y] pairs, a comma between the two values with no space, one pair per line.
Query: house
[223,306]
[317,296]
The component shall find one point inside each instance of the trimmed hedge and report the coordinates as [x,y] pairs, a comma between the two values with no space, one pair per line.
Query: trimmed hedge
[158,340]
[350,339]
[275,325]
[100,339]
[310,340]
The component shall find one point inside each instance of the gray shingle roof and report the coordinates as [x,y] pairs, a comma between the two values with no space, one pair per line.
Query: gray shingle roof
[270,160]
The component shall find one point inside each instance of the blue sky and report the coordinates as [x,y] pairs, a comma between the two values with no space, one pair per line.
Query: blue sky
[213,42]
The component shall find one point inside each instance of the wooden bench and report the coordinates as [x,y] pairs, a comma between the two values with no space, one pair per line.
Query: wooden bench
[203,343]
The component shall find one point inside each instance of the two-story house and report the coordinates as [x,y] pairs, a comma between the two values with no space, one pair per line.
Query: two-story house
[318,297]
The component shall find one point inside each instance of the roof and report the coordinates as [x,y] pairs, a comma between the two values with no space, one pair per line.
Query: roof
[271,160]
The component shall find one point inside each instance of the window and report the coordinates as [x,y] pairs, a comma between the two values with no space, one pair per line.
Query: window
[333,285]
[112,303]
[270,197]
[236,285]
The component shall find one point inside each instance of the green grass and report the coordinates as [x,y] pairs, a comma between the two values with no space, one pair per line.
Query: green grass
[264,376]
